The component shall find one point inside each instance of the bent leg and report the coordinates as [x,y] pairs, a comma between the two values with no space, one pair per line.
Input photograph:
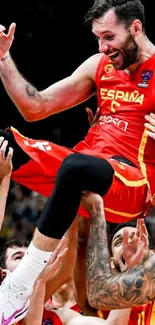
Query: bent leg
[77,173]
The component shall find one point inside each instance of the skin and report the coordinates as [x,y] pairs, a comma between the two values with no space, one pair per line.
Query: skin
[5,172]
[67,316]
[78,87]
[120,40]
[105,290]
[117,248]
[13,256]
[64,296]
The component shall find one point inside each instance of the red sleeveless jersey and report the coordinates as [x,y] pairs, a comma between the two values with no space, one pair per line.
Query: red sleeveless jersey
[124,100]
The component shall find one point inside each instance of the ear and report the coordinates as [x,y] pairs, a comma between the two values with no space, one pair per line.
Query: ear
[136,27]
[152,252]
[112,263]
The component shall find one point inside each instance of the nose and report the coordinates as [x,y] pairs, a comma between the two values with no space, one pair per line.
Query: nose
[103,48]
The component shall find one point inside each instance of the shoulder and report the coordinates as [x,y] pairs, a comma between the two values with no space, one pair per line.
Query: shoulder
[90,65]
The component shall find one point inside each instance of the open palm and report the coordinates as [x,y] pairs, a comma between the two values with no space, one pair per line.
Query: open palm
[134,249]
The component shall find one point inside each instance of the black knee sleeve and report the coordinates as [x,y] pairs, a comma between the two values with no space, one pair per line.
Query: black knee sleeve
[77,173]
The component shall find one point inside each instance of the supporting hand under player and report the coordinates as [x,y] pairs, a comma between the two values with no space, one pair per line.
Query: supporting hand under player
[150,125]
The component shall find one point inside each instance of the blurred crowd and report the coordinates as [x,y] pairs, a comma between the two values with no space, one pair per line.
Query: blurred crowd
[22,211]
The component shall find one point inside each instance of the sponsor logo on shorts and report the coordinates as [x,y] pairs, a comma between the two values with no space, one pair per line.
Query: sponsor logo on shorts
[42,145]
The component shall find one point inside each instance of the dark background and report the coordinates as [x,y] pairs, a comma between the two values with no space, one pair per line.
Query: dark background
[51,41]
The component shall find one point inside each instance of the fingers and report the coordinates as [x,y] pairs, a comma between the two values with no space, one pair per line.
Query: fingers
[2,28]
[144,229]
[92,118]
[150,118]
[9,155]
[96,116]
[53,266]
[141,227]
[125,237]
[150,125]
[3,148]
[90,115]
[58,249]
[145,241]
[11,30]
[137,257]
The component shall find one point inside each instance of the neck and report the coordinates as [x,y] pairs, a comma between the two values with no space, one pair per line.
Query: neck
[147,49]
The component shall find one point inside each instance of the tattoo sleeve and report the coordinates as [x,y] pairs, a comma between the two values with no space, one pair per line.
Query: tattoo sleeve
[135,286]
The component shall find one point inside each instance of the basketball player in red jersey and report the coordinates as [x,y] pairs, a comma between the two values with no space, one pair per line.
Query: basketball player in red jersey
[116,159]
[122,76]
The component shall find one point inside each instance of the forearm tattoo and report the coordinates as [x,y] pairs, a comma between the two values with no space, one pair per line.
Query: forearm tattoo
[135,286]
[31,91]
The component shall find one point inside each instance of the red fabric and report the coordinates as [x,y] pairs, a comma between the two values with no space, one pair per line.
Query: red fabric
[50,318]
[76,308]
[143,315]
[40,172]
[124,100]
[140,315]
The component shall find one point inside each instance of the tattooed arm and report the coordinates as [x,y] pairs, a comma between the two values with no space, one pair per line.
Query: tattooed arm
[36,105]
[135,286]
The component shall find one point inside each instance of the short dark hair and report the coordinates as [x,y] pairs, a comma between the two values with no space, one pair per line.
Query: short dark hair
[3,249]
[126,11]
[130,223]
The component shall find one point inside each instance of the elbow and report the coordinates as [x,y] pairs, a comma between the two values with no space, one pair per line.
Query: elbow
[30,116]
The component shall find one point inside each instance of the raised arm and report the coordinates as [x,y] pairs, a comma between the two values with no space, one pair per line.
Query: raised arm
[5,171]
[35,312]
[135,286]
[36,105]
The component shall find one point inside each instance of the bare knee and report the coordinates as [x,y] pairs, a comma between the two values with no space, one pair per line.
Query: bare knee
[92,202]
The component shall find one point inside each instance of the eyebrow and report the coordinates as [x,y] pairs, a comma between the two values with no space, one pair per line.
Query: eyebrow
[106,31]
[118,236]
[121,236]
[16,253]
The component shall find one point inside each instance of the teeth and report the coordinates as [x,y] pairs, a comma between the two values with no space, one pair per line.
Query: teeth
[112,55]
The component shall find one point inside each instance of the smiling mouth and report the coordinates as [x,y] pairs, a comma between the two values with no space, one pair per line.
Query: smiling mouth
[114,55]
[123,261]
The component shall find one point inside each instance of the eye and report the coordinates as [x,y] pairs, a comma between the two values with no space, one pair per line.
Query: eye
[118,243]
[109,37]
[18,257]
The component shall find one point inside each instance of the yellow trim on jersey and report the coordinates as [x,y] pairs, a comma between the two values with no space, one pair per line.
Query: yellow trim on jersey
[16,131]
[152,319]
[139,319]
[100,314]
[131,183]
[143,318]
[141,156]
[124,214]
